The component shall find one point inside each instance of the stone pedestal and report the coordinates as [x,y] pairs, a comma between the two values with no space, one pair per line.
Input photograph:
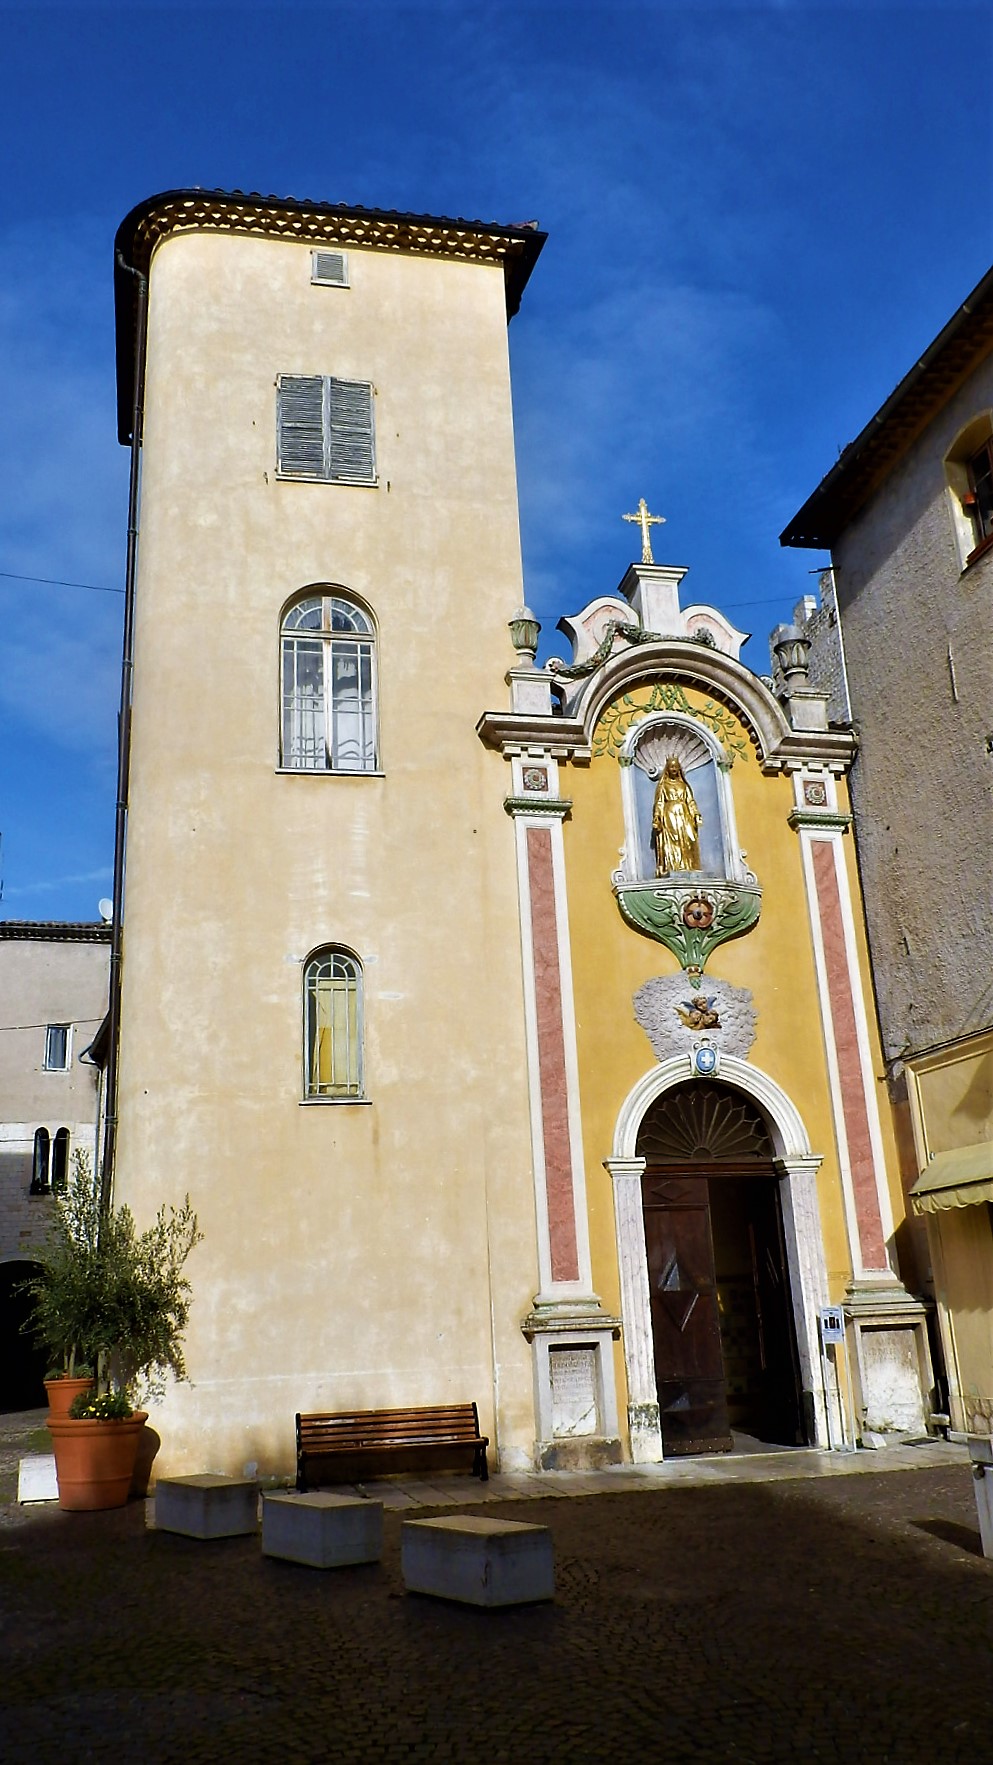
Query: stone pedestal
[574,1386]
[478,1562]
[323,1530]
[207,1506]
[892,1368]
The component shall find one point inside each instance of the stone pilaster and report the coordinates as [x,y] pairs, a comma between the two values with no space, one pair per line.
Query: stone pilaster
[575,1400]
[891,1363]
[639,1349]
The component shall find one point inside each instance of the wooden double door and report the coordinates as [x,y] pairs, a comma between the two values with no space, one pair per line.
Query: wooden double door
[722,1316]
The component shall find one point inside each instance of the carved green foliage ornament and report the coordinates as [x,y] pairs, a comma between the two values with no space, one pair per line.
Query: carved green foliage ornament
[690,920]
[665,695]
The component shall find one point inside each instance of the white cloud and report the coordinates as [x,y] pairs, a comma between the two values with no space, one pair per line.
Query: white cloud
[53,884]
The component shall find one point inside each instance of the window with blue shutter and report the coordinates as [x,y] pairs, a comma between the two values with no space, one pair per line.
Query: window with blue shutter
[324,429]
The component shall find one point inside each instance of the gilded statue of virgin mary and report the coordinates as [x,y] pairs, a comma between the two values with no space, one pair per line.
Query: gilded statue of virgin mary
[675,822]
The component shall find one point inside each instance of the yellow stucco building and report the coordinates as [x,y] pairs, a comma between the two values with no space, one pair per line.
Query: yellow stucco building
[520,1055]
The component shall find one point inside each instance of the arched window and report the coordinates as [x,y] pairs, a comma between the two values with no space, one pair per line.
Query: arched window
[60,1160]
[969,475]
[332,999]
[328,666]
[39,1164]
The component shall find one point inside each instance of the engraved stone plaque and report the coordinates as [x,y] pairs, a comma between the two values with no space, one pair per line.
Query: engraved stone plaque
[573,1376]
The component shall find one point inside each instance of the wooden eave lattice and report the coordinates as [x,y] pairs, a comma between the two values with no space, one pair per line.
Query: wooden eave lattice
[219,211]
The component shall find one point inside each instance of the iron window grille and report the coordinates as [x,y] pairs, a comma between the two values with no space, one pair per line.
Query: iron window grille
[332,1025]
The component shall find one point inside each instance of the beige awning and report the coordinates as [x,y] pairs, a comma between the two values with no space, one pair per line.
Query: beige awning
[960,1178]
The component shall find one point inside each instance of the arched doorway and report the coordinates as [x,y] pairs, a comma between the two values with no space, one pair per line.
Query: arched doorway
[22,1363]
[722,1325]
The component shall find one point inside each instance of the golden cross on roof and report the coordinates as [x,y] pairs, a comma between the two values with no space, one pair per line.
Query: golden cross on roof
[645,521]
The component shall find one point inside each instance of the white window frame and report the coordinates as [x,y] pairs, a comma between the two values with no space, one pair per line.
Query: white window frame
[50,1064]
[331,432]
[334,645]
[322,995]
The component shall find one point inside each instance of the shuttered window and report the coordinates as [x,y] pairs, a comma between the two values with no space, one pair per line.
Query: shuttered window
[325,429]
[329,269]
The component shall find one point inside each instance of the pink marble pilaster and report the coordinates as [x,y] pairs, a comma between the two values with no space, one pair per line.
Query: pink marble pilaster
[851,1076]
[551,1058]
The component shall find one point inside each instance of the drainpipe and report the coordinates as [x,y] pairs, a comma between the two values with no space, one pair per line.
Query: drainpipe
[123,747]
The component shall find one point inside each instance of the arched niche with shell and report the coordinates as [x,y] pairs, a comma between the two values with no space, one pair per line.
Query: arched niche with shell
[691,912]
[643,755]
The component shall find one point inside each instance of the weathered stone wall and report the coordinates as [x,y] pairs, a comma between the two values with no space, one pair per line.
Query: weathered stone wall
[818,620]
[918,634]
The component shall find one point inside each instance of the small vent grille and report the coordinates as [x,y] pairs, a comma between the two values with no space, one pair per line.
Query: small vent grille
[329,268]
[703,1122]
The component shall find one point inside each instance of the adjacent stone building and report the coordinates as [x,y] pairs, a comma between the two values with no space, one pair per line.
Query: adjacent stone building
[53,984]
[907,512]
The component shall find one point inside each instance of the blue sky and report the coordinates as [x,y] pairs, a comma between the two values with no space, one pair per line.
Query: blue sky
[758,217]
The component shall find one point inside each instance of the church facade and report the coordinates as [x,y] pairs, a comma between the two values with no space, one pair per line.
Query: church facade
[509,1051]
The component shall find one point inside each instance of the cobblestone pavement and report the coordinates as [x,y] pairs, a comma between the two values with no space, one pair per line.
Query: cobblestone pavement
[839,1618]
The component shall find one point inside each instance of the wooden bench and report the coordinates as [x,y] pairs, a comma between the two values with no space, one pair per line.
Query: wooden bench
[367,1443]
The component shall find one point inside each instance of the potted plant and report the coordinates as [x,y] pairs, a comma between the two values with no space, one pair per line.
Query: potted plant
[63,1385]
[118,1298]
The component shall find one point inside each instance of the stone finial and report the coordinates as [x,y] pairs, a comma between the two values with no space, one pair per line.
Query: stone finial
[792,652]
[524,629]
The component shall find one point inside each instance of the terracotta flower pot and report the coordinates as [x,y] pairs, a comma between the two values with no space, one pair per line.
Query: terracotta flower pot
[61,1393]
[94,1460]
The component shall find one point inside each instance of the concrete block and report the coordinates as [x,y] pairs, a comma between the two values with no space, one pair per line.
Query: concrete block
[324,1530]
[36,1479]
[984,1506]
[981,1454]
[207,1506]
[478,1562]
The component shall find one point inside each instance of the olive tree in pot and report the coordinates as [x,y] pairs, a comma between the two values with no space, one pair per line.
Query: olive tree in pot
[118,1298]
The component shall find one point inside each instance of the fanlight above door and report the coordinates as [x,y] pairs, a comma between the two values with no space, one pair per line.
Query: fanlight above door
[703,1122]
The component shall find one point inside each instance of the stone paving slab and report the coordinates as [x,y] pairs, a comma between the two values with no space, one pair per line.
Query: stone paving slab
[751,1467]
[823,1612]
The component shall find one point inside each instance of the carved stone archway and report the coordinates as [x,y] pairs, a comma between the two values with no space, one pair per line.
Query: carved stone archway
[796,1165]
